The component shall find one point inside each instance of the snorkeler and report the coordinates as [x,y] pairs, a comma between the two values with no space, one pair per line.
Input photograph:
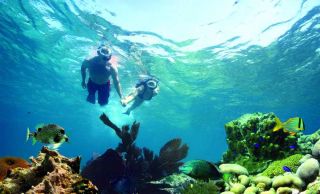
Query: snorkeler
[100,69]
[145,89]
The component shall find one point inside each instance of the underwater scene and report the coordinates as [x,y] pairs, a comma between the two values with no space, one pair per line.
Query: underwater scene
[160,97]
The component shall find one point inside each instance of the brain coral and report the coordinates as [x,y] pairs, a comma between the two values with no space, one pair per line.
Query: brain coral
[276,167]
[9,163]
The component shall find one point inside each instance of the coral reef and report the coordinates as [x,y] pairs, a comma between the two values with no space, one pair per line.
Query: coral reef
[306,142]
[257,143]
[9,163]
[276,161]
[49,173]
[128,168]
[276,167]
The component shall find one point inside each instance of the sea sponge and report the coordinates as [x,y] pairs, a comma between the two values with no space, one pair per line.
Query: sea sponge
[233,169]
[8,163]
[276,167]
[309,170]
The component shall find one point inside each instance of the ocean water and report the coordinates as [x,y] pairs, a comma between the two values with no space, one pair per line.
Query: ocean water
[215,61]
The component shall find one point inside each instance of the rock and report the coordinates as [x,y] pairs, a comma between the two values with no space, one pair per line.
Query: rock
[271,191]
[316,150]
[309,170]
[244,180]
[237,188]
[284,190]
[233,169]
[304,158]
[262,179]
[251,190]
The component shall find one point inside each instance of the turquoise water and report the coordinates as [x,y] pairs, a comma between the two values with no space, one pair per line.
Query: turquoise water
[205,81]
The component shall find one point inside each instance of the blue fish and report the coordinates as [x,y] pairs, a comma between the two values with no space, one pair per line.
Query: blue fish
[256,145]
[292,146]
[286,169]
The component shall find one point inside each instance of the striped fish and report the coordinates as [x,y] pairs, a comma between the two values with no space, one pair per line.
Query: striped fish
[292,125]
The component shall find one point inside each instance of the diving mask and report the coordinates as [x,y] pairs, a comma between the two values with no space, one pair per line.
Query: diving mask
[105,52]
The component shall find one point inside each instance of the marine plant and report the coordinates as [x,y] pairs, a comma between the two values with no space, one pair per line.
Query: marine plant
[9,163]
[202,187]
[128,168]
[278,167]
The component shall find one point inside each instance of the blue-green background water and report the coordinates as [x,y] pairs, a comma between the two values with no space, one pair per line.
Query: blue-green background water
[205,81]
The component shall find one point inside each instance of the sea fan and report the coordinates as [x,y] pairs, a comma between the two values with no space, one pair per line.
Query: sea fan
[135,167]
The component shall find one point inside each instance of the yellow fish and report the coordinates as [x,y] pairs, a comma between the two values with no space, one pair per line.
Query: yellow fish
[292,125]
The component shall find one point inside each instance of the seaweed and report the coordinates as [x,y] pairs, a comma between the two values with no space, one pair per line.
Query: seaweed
[130,169]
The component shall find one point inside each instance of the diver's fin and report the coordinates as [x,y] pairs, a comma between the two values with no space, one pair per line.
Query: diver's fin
[278,125]
[28,134]
[34,141]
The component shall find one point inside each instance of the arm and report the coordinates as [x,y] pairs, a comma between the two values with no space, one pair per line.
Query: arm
[84,67]
[115,77]
[132,95]
[135,104]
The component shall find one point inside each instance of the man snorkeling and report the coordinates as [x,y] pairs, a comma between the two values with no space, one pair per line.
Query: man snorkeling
[100,69]
[145,89]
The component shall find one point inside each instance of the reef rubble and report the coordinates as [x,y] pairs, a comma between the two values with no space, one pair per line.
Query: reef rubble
[49,173]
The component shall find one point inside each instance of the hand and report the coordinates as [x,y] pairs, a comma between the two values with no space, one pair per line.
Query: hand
[123,102]
[84,85]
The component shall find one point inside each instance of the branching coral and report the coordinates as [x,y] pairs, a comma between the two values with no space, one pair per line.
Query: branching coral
[9,163]
[129,168]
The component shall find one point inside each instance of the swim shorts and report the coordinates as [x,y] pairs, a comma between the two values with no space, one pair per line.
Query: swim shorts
[103,92]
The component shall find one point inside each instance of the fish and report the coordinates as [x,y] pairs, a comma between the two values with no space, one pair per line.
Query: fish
[293,147]
[286,169]
[200,169]
[256,145]
[51,134]
[291,126]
